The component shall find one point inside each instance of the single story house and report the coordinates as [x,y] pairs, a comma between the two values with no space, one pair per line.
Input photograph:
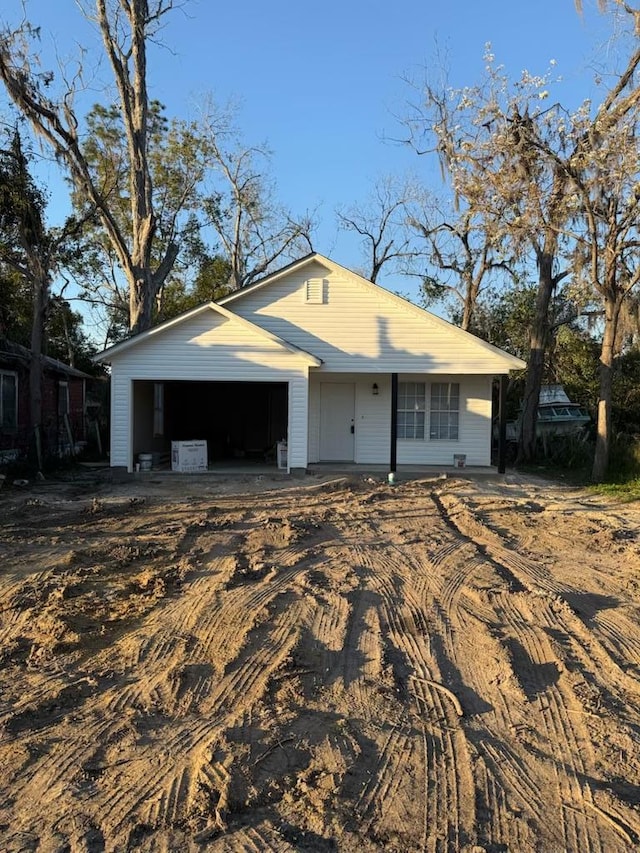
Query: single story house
[63,403]
[314,355]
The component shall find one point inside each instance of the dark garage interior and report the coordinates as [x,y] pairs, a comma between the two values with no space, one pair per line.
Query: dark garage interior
[238,420]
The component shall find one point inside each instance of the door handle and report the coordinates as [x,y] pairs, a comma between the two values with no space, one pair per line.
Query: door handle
[353,429]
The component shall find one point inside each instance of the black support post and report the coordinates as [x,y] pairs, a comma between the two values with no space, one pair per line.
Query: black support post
[394,424]
[502,424]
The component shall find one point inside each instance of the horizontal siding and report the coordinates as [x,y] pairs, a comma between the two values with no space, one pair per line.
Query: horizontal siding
[298,419]
[209,347]
[474,427]
[373,421]
[371,415]
[357,324]
[120,420]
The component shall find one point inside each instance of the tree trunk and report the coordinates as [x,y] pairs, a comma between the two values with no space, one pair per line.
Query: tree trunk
[40,286]
[467,311]
[607,353]
[142,294]
[535,369]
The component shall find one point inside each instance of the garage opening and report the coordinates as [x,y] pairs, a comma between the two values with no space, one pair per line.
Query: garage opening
[240,421]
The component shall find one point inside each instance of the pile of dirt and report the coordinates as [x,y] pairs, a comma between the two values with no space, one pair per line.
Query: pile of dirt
[261,664]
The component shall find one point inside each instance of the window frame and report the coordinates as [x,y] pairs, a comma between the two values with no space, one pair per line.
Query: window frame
[12,427]
[64,399]
[408,415]
[444,415]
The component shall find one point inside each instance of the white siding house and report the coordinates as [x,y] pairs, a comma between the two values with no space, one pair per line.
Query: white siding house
[314,355]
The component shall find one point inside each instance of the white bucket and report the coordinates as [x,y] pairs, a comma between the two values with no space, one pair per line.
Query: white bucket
[146,461]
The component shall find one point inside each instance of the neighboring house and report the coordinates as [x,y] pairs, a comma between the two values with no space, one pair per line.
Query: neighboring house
[315,355]
[63,403]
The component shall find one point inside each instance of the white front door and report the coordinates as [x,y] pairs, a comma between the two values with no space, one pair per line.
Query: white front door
[337,414]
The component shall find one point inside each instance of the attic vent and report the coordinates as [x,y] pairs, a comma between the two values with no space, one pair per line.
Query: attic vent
[315,290]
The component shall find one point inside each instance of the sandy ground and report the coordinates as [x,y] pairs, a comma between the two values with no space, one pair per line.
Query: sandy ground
[320,665]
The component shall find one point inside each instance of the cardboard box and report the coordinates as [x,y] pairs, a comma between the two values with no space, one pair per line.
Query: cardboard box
[189,456]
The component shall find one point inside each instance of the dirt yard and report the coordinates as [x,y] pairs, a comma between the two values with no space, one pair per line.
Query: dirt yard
[265,664]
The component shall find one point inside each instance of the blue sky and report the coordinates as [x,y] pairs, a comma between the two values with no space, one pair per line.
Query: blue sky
[321,83]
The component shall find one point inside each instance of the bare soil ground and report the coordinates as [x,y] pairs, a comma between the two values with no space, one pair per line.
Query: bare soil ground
[323,665]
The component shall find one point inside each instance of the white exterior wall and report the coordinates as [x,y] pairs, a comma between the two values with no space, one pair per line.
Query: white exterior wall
[298,422]
[373,420]
[361,329]
[207,347]
[362,335]
[121,420]
[474,425]
[372,415]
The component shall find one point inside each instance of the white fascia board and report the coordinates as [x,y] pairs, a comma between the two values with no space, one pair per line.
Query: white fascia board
[108,354]
[511,362]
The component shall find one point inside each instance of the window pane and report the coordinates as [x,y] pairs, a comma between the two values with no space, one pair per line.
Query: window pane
[445,405]
[63,398]
[411,409]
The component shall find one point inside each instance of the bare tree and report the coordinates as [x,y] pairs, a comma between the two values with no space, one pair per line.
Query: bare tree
[627,8]
[253,230]
[126,26]
[382,224]
[461,249]
[606,175]
[508,196]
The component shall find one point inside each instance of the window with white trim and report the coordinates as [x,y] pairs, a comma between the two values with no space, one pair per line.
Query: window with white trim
[445,411]
[411,410]
[8,399]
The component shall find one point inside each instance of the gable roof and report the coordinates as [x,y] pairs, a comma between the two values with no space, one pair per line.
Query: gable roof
[107,354]
[512,361]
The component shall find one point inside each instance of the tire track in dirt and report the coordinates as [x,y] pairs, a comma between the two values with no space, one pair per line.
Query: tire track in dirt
[171,789]
[569,738]
[380,791]
[216,615]
[526,574]
[295,689]
[537,665]
[502,716]
[262,838]
[448,789]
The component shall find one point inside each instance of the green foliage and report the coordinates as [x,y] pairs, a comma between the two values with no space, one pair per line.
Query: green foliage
[29,255]
[624,461]
[178,152]
[212,283]
[15,305]
[626,392]
[66,340]
[626,491]
[573,359]
[22,206]
[504,319]
[572,452]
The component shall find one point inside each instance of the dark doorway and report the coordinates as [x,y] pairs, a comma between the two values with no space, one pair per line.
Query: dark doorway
[239,420]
